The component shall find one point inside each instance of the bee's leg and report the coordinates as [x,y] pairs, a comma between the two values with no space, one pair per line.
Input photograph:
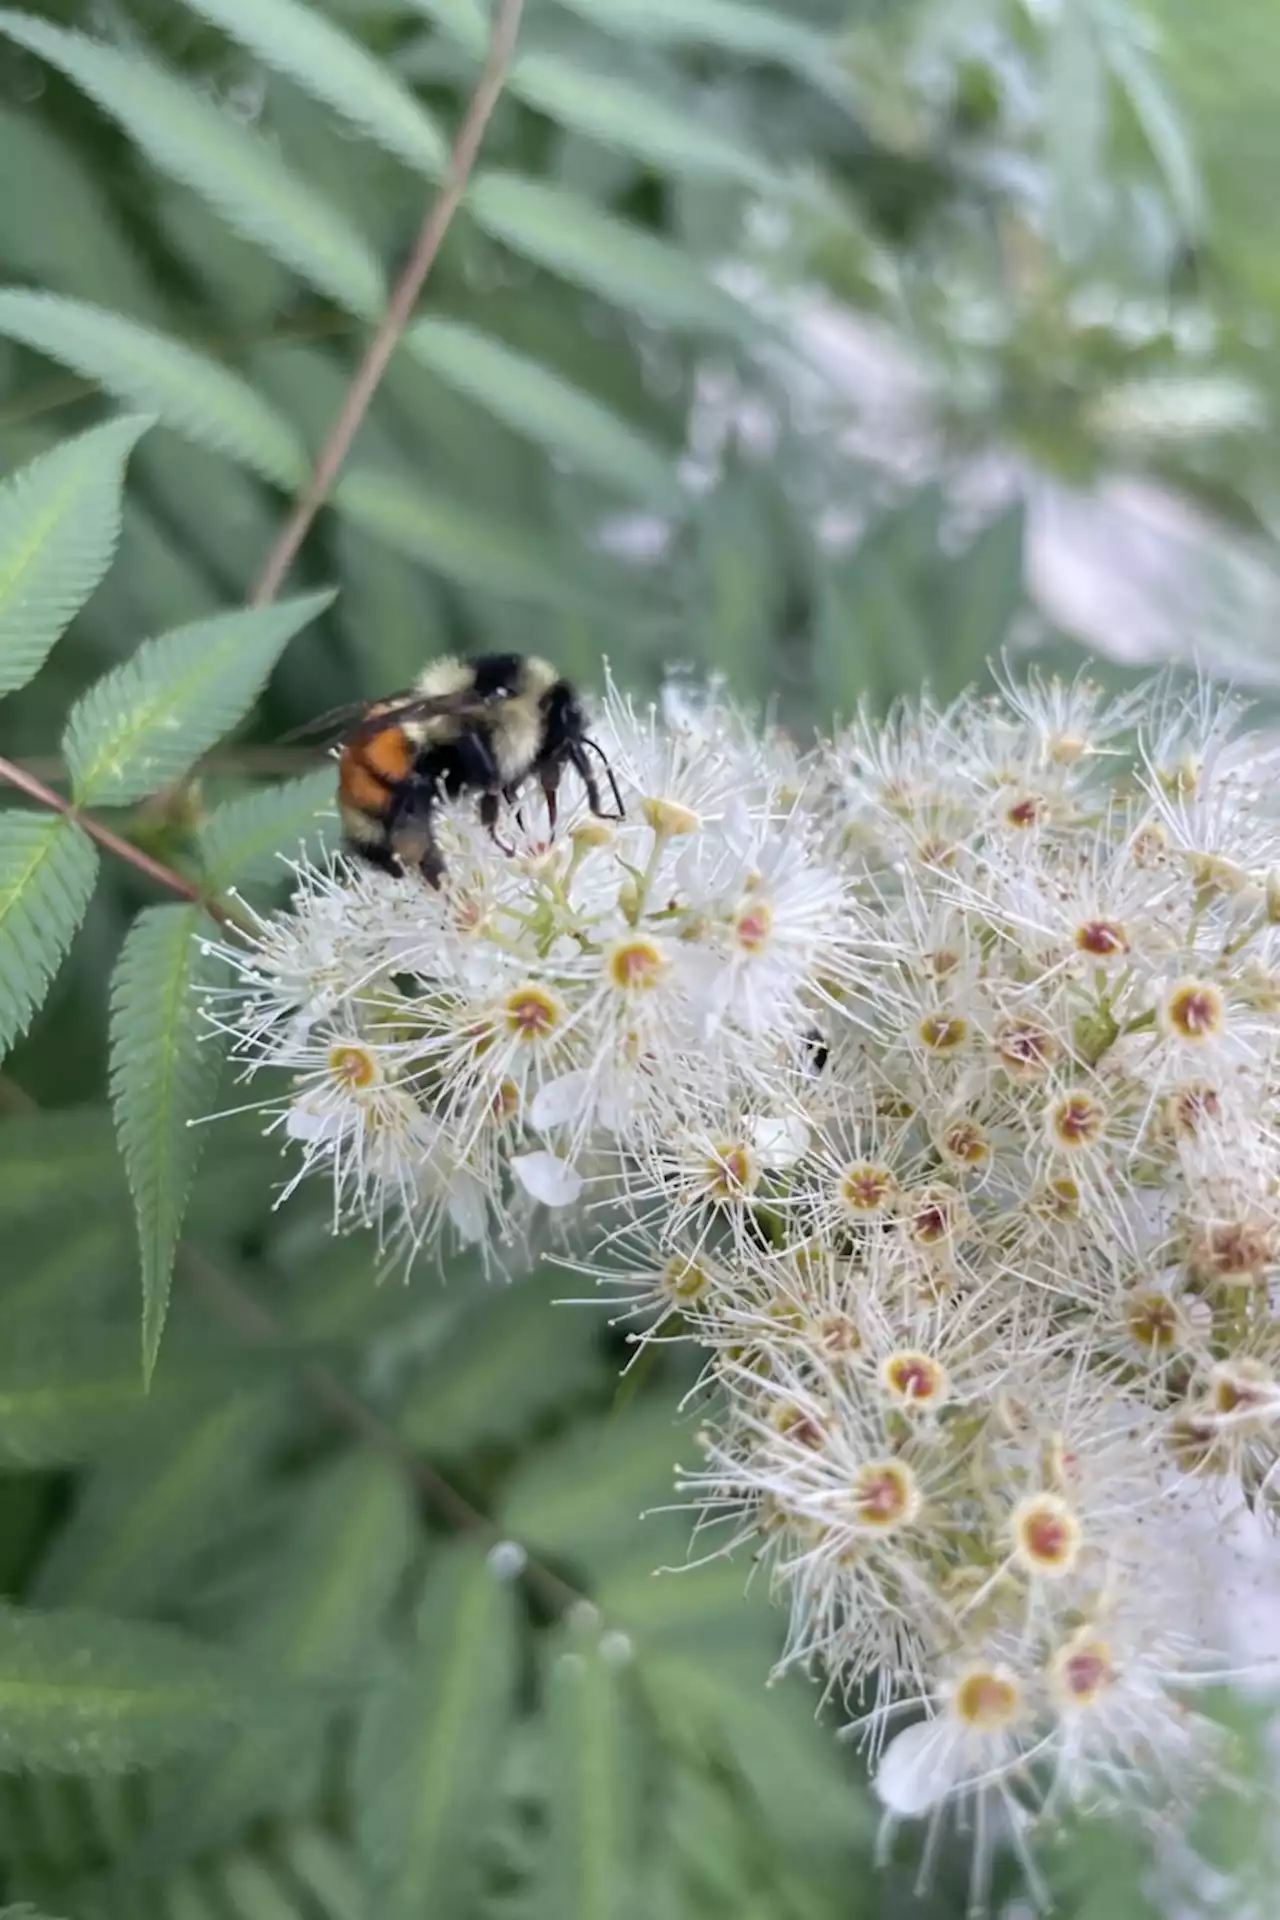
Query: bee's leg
[489,803]
[411,831]
[550,781]
[512,797]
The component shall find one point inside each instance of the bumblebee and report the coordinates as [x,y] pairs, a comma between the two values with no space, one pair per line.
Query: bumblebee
[484,726]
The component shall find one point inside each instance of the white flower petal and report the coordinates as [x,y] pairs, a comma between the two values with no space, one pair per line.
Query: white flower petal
[917,1769]
[466,1208]
[560,1100]
[780,1139]
[310,1124]
[548,1178]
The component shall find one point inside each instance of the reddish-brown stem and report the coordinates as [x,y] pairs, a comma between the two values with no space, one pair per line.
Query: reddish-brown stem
[156,870]
[403,299]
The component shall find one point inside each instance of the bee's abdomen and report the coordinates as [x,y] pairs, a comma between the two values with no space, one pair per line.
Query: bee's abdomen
[370,769]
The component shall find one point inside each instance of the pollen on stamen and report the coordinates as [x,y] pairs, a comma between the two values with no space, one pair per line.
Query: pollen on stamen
[531,1013]
[867,1187]
[1047,1535]
[1025,1049]
[1102,939]
[913,1379]
[753,926]
[965,1143]
[987,1699]
[731,1172]
[943,1032]
[886,1494]
[1024,812]
[1187,1109]
[684,1280]
[635,966]
[1077,1120]
[933,1215]
[798,1425]
[353,1067]
[1154,1321]
[1081,1672]
[1193,1011]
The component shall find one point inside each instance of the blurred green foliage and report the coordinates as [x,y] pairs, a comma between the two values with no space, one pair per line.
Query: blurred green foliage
[351,1615]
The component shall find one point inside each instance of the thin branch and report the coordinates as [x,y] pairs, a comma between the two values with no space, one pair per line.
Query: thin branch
[164,876]
[363,387]
[252,1321]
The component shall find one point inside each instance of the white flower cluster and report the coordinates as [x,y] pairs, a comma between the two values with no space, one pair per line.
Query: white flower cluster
[929,1084]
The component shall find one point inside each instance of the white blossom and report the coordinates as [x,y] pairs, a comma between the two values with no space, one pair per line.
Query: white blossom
[928,1083]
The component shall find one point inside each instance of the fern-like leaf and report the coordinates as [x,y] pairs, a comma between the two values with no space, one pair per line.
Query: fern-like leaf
[59,526]
[157,1498]
[186,134]
[322,1609]
[428,1747]
[589,1872]
[162,1079]
[535,402]
[561,231]
[458,541]
[327,63]
[144,724]
[81,1693]
[47,870]
[727,26]
[619,114]
[323,1867]
[189,393]
[243,838]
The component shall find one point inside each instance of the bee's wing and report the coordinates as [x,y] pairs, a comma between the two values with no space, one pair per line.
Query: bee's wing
[363,718]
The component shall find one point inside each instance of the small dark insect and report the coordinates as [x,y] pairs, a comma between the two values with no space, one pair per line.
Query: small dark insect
[816,1049]
[482,726]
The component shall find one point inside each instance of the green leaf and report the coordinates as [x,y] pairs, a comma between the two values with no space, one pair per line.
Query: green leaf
[162,1080]
[582,1495]
[44,1154]
[509,1357]
[590,1863]
[746,32]
[533,401]
[185,134]
[324,1868]
[1076,129]
[81,1693]
[461,542]
[430,1740]
[251,1890]
[193,395]
[639,123]
[1157,114]
[64,1268]
[47,870]
[314,1620]
[335,69]
[563,232]
[242,840]
[463,21]
[143,725]
[61,1402]
[156,1499]
[59,526]
[983,590]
